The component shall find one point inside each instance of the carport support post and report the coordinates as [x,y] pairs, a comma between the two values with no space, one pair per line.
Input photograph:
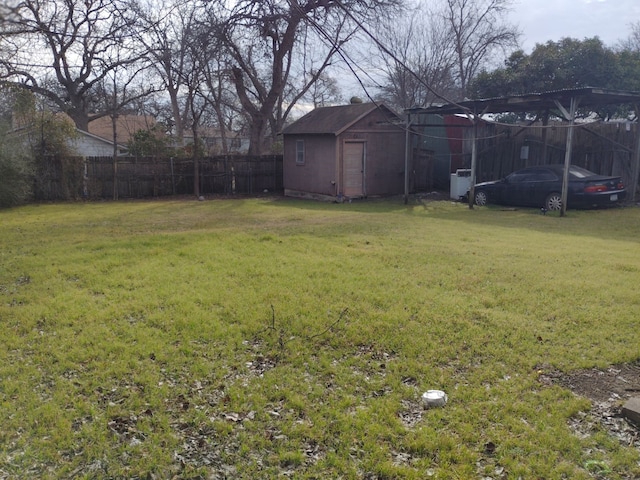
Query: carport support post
[474,161]
[635,170]
[407,149]
[545,139]
[567,154]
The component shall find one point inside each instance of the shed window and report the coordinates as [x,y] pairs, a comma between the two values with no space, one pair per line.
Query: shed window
[299,152]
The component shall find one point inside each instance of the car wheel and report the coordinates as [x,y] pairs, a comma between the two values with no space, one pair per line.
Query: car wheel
[481,198]
[553,202]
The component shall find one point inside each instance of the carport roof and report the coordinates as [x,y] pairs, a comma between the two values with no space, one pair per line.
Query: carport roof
[534,102]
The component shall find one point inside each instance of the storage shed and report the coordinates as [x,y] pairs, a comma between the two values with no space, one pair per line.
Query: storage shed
[344,152]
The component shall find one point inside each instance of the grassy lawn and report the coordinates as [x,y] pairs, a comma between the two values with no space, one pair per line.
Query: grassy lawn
[258,338]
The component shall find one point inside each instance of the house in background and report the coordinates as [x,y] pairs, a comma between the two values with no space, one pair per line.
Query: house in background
[87,144]
[98,140]
[211,138]
[344,152]
[126,126]
[83,143]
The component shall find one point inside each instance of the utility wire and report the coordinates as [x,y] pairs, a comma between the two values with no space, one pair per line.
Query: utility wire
[416,76]
[349,62]
[397,60]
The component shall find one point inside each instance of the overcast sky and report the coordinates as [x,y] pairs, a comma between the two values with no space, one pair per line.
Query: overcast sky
[543,20]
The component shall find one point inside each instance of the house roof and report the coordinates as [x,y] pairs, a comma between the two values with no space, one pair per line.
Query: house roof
[334,120]
[98,138]
[126,126]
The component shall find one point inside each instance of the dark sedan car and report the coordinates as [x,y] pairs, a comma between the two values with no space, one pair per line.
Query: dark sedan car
[542,187]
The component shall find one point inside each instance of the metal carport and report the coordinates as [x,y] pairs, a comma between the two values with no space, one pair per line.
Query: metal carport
[566,102]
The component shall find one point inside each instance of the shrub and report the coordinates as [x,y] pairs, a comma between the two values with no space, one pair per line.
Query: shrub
[57,173]
[148,143]
[58,177]
[16,173]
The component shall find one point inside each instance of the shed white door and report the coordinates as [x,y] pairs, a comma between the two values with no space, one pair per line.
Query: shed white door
[353,169]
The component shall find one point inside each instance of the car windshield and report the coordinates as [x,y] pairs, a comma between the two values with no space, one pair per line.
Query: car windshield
[580,172]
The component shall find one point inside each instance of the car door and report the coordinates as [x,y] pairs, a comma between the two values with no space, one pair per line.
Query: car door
[541,183]
[514,188]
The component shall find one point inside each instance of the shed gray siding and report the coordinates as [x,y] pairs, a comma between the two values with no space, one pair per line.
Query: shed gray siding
[318,173]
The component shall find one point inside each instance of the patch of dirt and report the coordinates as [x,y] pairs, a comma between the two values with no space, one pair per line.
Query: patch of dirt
[616,382]
[433,196]
[608,390]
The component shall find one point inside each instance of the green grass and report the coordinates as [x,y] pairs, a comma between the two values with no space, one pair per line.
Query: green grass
[261,337]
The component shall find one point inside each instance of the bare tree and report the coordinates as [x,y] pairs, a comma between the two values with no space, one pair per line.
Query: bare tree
[308,75]
[167,32]
[178,47]
[117,90]
[221,98]
[218,91]
[63,49]
[632,42]
[419,60]
[324,91]
[477,29]
[193,78]
[260,38]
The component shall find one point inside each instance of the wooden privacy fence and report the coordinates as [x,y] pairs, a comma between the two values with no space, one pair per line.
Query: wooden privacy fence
[147,177]
[604,148]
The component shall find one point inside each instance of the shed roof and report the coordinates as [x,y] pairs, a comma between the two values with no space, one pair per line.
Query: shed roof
[533,102]
[335,120]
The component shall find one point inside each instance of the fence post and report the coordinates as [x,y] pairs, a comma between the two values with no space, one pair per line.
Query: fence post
[635,167]
[173,177]
[85,178]
[233,180]
[226,175]
[115,177]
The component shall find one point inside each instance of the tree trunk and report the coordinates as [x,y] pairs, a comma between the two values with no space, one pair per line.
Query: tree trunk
[177,116]
[257,133]
[80,118]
